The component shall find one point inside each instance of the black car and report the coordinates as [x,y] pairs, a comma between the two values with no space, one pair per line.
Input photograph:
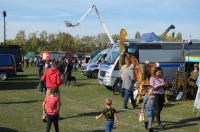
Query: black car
[7,66]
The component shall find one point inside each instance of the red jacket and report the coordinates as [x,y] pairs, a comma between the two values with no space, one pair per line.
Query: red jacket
[52,77]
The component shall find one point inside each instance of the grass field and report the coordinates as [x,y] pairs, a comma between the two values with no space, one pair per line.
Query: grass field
[20,108]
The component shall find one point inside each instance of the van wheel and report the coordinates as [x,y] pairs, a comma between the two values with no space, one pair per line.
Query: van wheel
[95,74]
[3,76]
[117,87]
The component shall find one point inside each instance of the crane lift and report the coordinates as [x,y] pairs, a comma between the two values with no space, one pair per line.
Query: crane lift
[93,7]
[166,31]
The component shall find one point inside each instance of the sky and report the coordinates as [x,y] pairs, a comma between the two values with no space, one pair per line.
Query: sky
[133,15]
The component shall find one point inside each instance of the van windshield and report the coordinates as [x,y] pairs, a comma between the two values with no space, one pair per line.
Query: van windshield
[112,56]
[96,58]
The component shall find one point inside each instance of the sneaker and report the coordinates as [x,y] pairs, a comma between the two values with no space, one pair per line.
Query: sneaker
[161,126]
[44,120]
[146,125]
[125,109]
[134,106]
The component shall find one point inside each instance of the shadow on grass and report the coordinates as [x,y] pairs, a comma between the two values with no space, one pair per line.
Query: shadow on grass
[3,129]
[174,126]
[98,130]
[83,84]
[182,123]
[81,115]
[84,114]
[18,85]
[21,102]
[22,79]
[170,104]
[26,75]
[83,79]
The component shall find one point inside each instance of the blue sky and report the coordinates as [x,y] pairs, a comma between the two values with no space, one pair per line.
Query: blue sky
[133,15]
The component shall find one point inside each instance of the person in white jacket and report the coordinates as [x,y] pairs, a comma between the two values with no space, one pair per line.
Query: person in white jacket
[197,99]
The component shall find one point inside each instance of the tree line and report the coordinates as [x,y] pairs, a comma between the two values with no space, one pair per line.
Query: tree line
[43,41]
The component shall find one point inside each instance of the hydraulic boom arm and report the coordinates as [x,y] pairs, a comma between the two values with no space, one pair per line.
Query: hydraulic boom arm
[166,31]
[93,7]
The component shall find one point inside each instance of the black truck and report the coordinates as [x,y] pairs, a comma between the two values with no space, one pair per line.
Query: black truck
[16,51]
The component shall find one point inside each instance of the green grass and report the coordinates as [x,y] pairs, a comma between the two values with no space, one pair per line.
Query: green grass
[20,108]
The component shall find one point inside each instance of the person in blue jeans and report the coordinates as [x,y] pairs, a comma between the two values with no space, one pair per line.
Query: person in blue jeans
[110,114]
[148,108]
[128,86]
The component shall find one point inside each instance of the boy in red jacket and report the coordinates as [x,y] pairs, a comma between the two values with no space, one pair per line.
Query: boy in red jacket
[51,107]
[52,76]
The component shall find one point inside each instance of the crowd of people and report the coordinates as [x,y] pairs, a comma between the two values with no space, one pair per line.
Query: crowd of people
[29,61]
[58,72]
[52,74]
[154,98]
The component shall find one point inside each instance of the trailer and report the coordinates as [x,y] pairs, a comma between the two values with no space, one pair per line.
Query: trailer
[56,55]
[170,56]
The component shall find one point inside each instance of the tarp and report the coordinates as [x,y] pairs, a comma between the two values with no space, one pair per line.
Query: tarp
[149,37]
[30,54]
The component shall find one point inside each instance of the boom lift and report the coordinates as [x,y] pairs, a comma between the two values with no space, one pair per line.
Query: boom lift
[93,7]
[166,31]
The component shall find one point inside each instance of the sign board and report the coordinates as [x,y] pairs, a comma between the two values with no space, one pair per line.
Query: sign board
[192,58]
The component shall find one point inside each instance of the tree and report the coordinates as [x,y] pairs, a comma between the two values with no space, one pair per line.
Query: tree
[65,42]
[102,40]
[20,38]
[43,40]
[178,36]
[115,37]
[137,35]
[10,42]
[32,43]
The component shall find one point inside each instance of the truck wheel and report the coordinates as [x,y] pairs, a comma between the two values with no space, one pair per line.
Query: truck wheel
[117,87]
[95,74]
[3,76]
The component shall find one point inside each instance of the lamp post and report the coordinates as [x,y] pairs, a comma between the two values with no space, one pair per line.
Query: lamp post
[4,22]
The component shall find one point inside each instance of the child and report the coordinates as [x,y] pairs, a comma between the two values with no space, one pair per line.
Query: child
[148,108]
[51,107]
[110,115]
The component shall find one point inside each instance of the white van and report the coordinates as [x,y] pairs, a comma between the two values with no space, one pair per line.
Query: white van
[91,69]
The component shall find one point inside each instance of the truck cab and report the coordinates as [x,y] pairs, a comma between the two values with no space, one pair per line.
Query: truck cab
[107,65]
[109,71]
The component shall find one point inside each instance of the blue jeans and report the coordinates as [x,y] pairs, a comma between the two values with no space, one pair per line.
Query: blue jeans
[52,119]
[127,94]
[40,72]
[109,125]
[42,86]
